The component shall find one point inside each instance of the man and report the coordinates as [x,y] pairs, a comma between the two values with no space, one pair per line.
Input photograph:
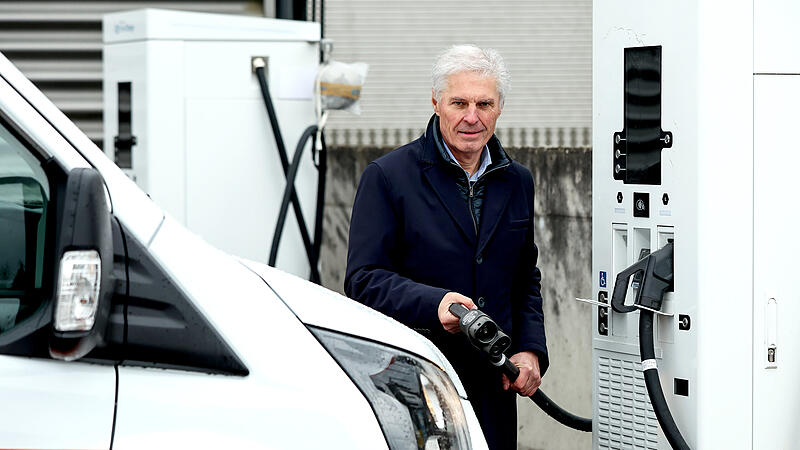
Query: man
[448,219]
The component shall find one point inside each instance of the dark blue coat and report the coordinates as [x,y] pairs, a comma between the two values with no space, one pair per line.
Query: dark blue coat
[413,239]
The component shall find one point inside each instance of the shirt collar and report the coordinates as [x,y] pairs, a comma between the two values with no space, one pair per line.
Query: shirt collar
[486,159]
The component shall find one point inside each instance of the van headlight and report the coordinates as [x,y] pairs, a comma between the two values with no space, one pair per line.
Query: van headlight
[416,403]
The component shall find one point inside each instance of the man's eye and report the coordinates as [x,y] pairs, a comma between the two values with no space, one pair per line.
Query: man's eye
[458,103]
[484,105]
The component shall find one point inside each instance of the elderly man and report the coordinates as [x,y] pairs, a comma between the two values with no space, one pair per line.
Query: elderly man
[448,219]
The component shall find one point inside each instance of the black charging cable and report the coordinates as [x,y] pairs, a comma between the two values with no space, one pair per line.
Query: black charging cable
[289,192]
[655,273]
[653,383]
[322,170]
[312,248]
[484,334]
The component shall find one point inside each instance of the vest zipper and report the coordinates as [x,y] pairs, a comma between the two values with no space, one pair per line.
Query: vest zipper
[469,204]
[472,193]
[472,188]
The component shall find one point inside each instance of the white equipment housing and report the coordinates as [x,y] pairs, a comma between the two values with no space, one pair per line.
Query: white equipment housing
[729,86]
[181,83]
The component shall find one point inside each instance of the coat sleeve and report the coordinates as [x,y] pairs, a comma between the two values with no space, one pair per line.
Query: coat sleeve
[372,276]
[528,314]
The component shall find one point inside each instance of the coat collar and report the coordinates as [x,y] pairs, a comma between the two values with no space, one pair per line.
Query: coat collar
[433,151]
[441,173]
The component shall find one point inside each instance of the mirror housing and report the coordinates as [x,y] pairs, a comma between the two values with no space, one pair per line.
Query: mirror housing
[83,267]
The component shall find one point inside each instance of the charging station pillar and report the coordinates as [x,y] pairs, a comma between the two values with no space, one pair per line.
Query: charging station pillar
[185,118]
[695,114]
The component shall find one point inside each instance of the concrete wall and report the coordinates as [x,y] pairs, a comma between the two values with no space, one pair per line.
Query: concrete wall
[563,205]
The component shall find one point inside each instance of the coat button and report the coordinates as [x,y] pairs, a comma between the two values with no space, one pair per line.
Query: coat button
[479,258]
[481,302]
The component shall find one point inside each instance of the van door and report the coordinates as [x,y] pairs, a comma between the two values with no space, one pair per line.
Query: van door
[45,403]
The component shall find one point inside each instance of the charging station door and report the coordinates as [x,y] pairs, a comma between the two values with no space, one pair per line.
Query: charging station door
[185,118]
[776,298]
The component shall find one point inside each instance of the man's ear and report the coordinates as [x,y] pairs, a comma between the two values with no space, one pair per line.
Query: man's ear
[435,103]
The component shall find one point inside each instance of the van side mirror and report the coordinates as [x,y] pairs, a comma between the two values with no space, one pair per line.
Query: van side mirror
[83,267]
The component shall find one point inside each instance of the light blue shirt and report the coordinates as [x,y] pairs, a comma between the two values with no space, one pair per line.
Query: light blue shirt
[486,159]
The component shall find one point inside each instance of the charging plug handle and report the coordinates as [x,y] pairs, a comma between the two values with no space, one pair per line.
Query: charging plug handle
[458,310]
[657,278]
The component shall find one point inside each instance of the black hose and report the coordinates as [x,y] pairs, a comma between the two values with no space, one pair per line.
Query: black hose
[288,193]
[646,349]
[545,404]
[550,407]
[276,131]
[321,19]
[322,170]
[562,416]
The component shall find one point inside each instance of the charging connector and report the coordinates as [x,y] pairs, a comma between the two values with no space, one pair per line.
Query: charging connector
[483,333]
[259,62]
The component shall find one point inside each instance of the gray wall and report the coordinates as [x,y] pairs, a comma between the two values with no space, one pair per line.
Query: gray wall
[563,205]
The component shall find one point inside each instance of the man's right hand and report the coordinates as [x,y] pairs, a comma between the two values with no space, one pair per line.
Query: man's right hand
[449,320]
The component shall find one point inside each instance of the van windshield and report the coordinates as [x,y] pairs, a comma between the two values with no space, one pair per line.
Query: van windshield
[24,196]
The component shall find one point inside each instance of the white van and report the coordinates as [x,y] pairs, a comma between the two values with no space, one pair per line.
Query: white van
[120,329]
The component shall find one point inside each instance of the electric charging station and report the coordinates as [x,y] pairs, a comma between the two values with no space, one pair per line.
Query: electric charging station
[696,106]
[185,118]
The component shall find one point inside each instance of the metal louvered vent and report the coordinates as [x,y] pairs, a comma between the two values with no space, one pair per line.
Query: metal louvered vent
[625,416]
[58,45]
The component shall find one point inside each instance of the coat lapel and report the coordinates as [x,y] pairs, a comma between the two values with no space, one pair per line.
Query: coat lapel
[446,190]
[498,193]
[443,184]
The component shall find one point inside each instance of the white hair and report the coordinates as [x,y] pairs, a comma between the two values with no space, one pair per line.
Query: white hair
[470,58]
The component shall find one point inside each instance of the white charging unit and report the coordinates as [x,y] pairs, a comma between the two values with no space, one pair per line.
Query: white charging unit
[696,109]
[185,118]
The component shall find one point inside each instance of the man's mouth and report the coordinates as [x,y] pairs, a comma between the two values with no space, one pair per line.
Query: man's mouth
[470,132]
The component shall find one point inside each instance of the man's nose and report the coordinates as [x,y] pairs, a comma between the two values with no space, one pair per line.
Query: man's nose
[472,114]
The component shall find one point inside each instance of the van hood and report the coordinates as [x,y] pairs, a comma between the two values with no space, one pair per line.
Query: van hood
[323,308]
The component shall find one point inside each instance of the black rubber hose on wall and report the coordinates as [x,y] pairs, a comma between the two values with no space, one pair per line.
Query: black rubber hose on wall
[276,131]
[288,193]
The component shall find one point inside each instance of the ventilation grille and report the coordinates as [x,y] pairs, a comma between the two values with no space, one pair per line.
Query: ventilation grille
[625,417]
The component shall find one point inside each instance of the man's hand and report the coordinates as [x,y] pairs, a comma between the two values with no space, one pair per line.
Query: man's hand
[529,377]
[449,320]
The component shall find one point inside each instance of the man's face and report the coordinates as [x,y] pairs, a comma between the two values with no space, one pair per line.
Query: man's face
[468,111]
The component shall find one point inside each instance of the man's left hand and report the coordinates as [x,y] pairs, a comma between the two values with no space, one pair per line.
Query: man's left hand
[529,377]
